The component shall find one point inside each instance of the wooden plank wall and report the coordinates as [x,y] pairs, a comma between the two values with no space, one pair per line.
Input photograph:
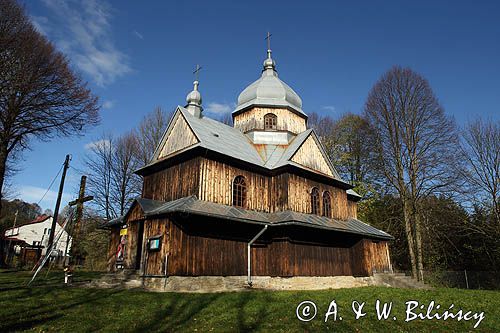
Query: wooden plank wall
[135,215]
[212,181]
[278,193]
[299,196]
[284,258]
[114,240]
[154,261]
[352,209]
[254,119]
[376,256]
[216,185]
[131,246]
[174,182]
[194,255]
[268,194]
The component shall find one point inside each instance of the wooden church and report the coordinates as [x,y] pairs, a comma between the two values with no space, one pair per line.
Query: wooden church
[260,198]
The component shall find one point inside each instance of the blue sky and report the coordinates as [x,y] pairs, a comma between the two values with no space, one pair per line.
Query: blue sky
[137,55]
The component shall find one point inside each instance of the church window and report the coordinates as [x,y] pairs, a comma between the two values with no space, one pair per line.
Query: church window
[239,192]
[315,201]
[270,121]
[327,204]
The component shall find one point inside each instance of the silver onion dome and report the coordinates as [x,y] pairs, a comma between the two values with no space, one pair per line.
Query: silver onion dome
[269,90]
[194,97]
[193,100]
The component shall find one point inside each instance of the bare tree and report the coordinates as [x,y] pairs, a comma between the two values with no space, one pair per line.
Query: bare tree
[125,184]
[416,144]
[481,148]
[40,96]
[226,118]
[110,164]
[149,133]
[98,164]
[323,125]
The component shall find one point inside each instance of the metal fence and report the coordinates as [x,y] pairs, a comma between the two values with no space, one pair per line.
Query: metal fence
[464,279]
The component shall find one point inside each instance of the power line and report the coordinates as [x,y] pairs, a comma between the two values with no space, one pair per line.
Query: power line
[51,183]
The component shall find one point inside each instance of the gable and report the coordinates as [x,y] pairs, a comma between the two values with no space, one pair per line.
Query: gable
[178,136]
[311,156]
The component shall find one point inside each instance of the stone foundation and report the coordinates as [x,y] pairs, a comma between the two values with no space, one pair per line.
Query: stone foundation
[205,284]
[210,284]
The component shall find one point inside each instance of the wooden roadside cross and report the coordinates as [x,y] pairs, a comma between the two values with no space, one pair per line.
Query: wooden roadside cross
[79,208]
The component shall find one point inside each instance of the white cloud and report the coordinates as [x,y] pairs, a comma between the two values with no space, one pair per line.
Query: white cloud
[84,34]
[33,194]
[330,108]
[99,144]
[218,108]
[138,35]
[108,104]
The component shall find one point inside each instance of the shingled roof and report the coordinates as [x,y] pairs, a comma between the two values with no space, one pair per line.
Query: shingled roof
[194,206]
[229,141]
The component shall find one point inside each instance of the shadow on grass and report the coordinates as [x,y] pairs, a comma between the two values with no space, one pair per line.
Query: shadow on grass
[30,323]
[182,311]
[34,314]
[177,313]
[247,321]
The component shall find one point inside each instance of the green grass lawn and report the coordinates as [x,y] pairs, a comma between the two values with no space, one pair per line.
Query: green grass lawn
[47,306]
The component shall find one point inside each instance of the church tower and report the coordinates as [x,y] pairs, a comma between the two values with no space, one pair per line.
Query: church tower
[268,110]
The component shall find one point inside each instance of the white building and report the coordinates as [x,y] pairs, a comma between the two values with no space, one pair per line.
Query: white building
[37,233]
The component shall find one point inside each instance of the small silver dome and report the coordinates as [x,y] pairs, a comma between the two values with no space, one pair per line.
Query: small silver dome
[193,100]
[194,97]
[269,63]
[269,90]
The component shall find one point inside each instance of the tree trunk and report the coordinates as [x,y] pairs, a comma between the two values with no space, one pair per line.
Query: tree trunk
[407,215]
[496,207]
[418,240]
[3,170]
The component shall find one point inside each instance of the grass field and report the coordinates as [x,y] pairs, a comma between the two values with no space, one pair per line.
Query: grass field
[49,307]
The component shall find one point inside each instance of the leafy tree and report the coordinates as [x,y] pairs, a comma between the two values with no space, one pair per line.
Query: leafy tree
[447,243]
[92,243]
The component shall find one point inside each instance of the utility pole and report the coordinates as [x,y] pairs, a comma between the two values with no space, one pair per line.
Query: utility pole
[9,255]
[79,211]
[58,204]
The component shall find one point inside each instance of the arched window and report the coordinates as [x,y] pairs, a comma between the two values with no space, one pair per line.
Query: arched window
[327,204]
[270,121]
[315,201]
[239,192]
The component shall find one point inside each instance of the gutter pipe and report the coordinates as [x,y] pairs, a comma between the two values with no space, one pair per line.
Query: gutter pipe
[249,245]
